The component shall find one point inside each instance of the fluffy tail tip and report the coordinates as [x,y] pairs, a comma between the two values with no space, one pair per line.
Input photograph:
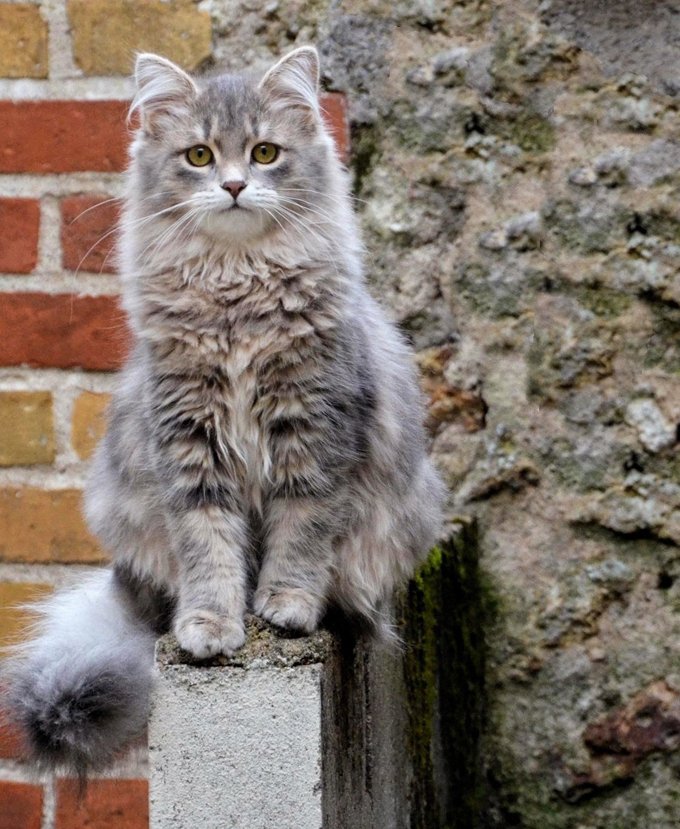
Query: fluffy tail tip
[72,720]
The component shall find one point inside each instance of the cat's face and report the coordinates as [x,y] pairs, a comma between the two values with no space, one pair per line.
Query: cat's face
[235,159]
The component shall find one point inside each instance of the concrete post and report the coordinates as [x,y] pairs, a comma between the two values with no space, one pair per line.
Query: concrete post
[327,731]
[236,743]
[291,733]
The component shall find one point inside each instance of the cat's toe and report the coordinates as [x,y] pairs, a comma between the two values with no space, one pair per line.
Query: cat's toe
[291,608]
[205,634]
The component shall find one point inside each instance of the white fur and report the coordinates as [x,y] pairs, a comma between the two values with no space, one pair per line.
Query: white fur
[80,619]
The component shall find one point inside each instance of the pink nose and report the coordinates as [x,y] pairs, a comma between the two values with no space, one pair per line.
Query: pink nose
[234,187]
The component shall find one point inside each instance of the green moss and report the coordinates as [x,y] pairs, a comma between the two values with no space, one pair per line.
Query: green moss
[586,228]
[444,613]
[429,124]
[531,132]
[605,302]
[500,291]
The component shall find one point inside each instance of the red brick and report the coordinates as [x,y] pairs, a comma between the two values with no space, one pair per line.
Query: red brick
[11,742]
[19,227]
[87,239]
[334,108]
[21,806]
[107,804]
[72,136]
[62,331]
[62,136]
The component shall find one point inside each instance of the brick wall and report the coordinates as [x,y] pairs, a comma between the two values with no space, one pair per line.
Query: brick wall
[63,99]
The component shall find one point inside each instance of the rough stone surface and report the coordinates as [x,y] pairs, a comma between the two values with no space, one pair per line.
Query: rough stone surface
[291,732]
[23,41]
[396,727]
[264,647]
[516,167]
[626,36]
[108,33]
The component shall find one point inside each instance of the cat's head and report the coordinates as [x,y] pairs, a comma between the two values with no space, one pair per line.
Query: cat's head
[232,157]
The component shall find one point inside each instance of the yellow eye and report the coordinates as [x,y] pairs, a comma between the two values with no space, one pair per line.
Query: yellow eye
[199,156]
[265,153]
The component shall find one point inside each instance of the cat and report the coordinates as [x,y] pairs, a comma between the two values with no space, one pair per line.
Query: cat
[265,448]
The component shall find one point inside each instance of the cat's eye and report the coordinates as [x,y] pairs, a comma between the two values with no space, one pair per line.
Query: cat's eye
[265,153]
[199,156]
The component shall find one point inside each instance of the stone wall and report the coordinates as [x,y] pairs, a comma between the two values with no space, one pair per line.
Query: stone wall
[519,166]
[516,170]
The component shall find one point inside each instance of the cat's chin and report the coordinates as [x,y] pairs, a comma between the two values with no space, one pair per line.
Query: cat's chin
[240,225]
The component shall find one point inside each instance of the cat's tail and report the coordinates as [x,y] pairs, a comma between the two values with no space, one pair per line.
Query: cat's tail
[79,690]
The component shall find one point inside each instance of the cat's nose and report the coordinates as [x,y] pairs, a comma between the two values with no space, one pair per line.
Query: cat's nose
[234,187]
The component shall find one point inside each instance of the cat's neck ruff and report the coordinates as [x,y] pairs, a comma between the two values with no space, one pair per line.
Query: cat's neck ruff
[218,291]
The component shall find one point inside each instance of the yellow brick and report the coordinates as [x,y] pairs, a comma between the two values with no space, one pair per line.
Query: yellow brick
[26,430]
[107,33]
[89,422]
[44,526]
[14,619]
[23,41]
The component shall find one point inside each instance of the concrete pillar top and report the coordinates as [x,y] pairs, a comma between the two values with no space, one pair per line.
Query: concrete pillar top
[265,647]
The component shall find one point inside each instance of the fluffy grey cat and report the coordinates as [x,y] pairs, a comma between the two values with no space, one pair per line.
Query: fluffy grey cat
[265,448]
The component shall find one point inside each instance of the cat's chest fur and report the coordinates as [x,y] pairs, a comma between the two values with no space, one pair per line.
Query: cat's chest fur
[244,348]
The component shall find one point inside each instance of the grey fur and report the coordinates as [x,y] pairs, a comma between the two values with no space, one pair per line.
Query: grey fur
[76,712]
[265,446]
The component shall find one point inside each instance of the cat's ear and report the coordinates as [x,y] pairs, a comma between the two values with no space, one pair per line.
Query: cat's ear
[163,89]
[294,80]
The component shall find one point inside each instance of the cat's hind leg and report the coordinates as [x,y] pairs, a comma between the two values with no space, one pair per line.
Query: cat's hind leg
[389,534]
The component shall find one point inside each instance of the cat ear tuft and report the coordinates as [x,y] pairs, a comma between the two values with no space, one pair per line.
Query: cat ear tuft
[294,80]
[162,89]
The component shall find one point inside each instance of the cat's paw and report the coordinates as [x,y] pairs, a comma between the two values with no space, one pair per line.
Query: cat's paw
[205,634]
[290,608]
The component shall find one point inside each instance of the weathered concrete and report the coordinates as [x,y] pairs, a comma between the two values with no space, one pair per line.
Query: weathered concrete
[238,743]
[368,771]
[290,733]
[332,730]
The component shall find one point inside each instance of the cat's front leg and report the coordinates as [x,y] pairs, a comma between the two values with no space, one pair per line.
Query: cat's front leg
[210,541]
[198,485]
[295,577]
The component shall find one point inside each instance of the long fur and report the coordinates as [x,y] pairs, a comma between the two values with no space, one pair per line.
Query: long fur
[265,447]
[80,688]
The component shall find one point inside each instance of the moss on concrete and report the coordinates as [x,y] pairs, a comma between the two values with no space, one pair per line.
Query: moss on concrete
[444,612]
